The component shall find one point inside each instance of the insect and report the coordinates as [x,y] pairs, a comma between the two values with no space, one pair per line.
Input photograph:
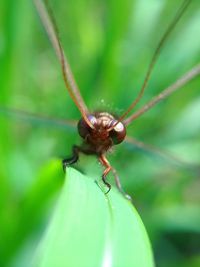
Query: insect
[100,131]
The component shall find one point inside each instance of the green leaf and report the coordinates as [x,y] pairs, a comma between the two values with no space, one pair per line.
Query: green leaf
[90,228]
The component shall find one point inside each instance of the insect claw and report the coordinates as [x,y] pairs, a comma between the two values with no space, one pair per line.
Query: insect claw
[106,183]
[72,160]
[109,187]
[64,165]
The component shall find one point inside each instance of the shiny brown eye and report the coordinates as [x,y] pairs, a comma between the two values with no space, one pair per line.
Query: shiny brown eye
[118,133]
[83,128]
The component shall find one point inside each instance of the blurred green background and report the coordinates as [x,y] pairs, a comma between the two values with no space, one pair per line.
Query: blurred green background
[109,45]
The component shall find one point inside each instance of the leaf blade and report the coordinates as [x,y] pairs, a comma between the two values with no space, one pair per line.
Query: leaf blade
[90,228]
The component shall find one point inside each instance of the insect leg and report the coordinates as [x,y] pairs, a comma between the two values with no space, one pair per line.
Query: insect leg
[189,166]
[117,181]
[118,184]
[73,159]
[108,168]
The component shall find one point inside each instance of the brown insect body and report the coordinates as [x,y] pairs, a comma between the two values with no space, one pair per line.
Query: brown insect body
[100,139]
[101,130]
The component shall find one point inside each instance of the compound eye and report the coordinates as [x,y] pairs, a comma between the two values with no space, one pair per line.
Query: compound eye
[83,128]
[118,133]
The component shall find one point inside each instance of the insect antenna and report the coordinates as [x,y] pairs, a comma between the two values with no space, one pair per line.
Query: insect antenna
[156,54]
[49,22]
[187,77]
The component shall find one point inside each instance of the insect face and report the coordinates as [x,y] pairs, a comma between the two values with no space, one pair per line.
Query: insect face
[102,136]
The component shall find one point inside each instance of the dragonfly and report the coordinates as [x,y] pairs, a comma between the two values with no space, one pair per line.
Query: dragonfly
[100,131]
